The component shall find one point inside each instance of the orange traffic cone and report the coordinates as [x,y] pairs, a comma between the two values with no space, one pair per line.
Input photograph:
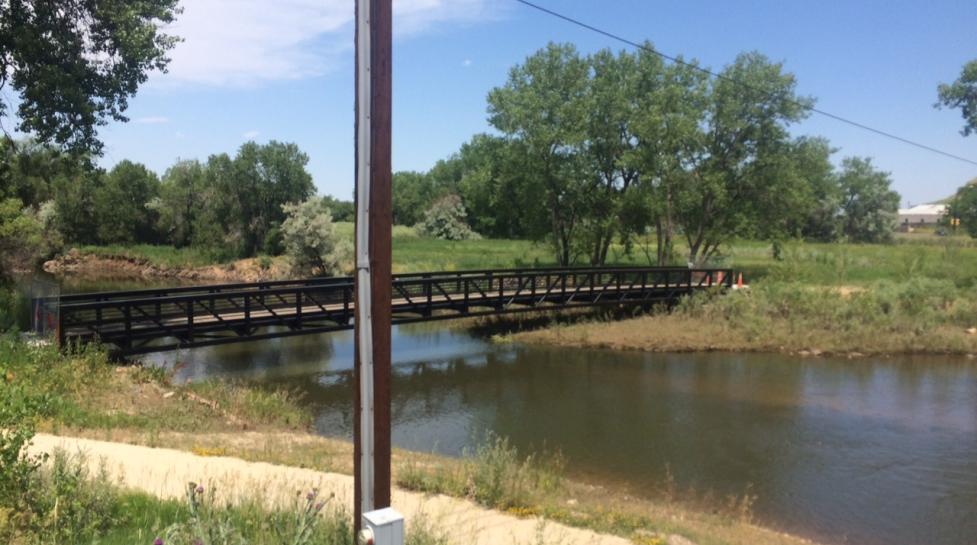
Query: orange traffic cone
[739,282]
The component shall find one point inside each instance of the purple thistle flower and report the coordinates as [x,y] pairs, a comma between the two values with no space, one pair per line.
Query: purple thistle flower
[311,495]
[158,541]
[200,489]
[319,506]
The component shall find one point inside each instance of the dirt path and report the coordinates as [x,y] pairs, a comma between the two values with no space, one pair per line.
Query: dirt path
[165,472]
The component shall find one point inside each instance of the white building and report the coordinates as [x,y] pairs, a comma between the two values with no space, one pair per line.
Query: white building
[921,215]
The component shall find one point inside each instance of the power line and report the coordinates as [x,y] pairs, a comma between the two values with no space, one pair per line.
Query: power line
[717,75]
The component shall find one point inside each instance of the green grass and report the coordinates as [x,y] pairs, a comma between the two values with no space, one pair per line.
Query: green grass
[66,503]
[824,264]
[160,255]
[492,474]
[82,389]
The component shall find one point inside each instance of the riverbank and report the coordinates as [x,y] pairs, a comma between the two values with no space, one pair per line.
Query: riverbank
[82,396]
[919,316]
[164,473]
[146,263]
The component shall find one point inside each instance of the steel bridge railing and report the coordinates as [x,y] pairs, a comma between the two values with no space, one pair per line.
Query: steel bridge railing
[215,314]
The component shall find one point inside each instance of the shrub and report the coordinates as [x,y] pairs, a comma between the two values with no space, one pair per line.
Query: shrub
[311,241]
[492,474]
[447,220]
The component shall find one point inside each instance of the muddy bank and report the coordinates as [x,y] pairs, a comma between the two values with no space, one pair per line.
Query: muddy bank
[123,267]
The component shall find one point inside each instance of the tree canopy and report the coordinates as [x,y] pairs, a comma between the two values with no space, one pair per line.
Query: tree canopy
[963,207]
[74,63]
[962,95]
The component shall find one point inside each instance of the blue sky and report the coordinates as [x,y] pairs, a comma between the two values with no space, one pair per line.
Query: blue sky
[283,70]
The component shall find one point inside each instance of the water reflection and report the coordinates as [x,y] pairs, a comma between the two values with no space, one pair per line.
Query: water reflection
[845,451]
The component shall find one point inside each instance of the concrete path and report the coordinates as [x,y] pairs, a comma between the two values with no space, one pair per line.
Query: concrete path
[165,472]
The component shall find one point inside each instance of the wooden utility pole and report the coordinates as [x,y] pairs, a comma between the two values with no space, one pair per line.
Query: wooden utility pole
[371,420]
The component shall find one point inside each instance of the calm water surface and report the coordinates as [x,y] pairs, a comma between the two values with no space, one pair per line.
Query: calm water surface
[865,451]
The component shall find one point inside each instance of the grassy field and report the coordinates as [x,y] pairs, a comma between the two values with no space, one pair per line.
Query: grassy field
[825,264]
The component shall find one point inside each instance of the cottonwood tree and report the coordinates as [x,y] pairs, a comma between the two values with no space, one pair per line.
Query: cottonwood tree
[544,106]
[121,204]
[962,94]
[672,107]
[868,204]
[817,214]
[73,64]
[179,202]
[412,192]
[612,104]
[737,186]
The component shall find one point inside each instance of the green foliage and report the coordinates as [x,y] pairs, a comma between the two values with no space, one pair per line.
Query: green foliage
[311,241]
[916,314]
[27,235]
[75,63]
[279,408]
[65,503]
[120,205]
[341,210]
[167,256]
[10,301]
[492,474]
[962,94]
[412,193]
[207,525]
[179,202]
[964,207]
[543,105]
[445,220]
[868,205]
[618,145]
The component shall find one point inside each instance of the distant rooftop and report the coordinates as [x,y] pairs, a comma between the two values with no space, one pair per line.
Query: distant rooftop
[924,210]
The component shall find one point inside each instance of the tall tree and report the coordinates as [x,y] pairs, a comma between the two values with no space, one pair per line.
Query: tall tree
[502,199]
[964,208]
[121,205]
[249,192]
[737,186]
[672,107]
[610,141]
[868,204]
[179,202]
[819,204]
[412,193]
[962,94]
[74,201]
[73,64]
[544,105]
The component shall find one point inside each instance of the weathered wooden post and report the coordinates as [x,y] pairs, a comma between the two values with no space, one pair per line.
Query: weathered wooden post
[373,258]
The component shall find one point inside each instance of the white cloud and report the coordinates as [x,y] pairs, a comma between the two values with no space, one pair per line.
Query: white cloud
[466,63]
[249,42]
[152,120]
[250,135]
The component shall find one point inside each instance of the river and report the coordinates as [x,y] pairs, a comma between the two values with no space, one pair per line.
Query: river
[868,451]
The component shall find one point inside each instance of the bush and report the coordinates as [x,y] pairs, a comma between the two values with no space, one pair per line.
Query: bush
[492,474]
[447,220]
[10,302]
[311,241]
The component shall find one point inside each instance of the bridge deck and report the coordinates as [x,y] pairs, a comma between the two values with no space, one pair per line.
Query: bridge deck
[154,320]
